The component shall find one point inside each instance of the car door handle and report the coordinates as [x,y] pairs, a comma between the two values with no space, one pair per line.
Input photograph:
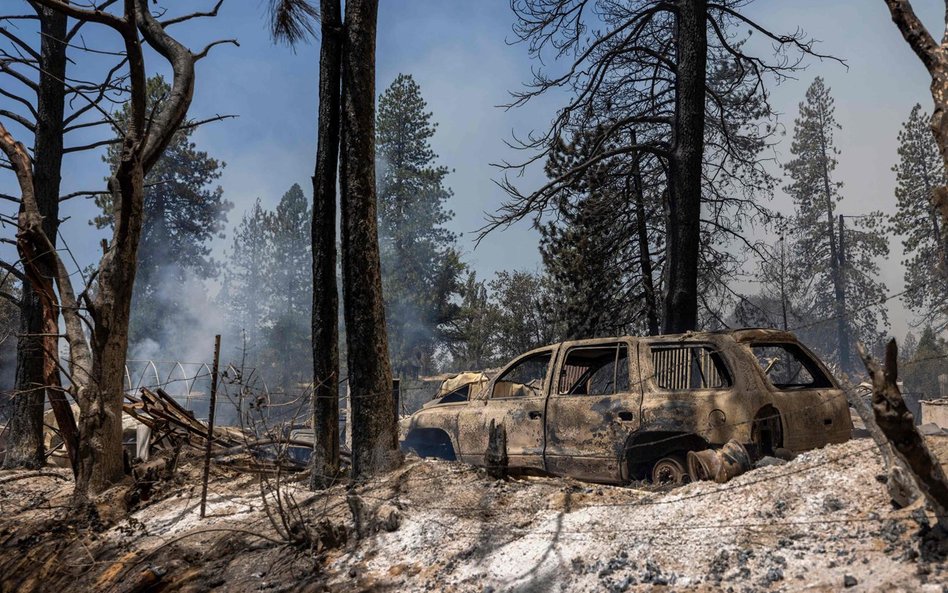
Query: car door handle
[626,416]
[535,415]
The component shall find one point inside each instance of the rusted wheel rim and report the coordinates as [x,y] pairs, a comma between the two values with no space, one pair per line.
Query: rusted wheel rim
[669,470]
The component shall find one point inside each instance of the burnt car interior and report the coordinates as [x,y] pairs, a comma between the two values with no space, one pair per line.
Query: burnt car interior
[595,371]
[525,379]
[689,367]
[788,367]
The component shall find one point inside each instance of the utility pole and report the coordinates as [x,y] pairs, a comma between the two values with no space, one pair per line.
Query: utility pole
[845,356]
[783,281]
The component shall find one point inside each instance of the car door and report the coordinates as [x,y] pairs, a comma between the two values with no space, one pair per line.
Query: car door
[592,409]
[515,400]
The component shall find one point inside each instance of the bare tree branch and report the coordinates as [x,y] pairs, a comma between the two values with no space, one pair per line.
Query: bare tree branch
[18,119]
[79,23]
[20,100]
[91,145]
[93,15]
[195,124]
[207,48]
[805,47]
[20,43]
[11,269]
[94,103]
[193,15]
[79,194]
[5,67]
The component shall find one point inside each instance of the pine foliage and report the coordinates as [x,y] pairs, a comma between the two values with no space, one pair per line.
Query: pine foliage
[184,212]
[841,267]
[919,171]
[420,265]
[267,288]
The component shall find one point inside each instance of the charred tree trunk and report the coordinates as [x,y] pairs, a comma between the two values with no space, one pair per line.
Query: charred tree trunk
[645,257]
[37,345]
[325,299]
[783,283]
[684,198]
[25,430]
[835,237]
[374,434]
[97,362]
[100,453]
[897,424]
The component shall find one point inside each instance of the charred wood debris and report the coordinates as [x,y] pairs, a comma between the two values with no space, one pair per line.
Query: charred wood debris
[173,427]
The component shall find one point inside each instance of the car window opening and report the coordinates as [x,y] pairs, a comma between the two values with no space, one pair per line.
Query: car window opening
[458,395]
[787,366]
[689,367]
[525,379]
[595,371]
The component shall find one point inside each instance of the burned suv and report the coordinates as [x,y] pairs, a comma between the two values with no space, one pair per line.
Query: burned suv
[631,408]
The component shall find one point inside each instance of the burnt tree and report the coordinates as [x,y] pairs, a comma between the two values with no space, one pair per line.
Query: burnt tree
[96,363]
[374,433]
[934,57]
[325,299]
[346,136]
[40,69]
[291,22]
[676,77]
[38,317]
[897,424]
[683,217]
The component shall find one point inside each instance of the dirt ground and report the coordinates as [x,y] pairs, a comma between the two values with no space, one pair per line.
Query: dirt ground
[822,522]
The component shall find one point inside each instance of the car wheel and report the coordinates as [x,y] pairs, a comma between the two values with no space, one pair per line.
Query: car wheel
[670,471]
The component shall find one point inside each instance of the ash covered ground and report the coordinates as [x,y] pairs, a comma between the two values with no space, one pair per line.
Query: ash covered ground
[822,522]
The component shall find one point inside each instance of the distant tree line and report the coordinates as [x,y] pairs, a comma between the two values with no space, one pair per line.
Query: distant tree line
[266,292]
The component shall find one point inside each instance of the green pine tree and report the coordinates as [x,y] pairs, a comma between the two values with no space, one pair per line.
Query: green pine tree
[420,265]
[526,318]
[289,287]
[184,211]
[919,171]
[847,298]
[930,360]
[591,251]
[244,293]
[472,335]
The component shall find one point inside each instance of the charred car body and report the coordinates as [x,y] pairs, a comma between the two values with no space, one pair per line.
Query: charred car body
[631,408]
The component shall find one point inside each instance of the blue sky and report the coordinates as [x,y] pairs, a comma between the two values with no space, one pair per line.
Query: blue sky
[458,52]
